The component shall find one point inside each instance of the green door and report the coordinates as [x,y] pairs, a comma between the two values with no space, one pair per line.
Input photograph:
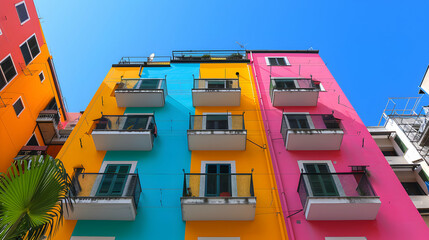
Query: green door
[114,180]
[321,184]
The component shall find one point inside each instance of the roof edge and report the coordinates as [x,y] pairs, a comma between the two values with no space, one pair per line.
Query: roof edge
[283,51]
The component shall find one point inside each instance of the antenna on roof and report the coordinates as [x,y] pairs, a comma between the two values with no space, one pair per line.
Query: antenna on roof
[241,45]
[151,57]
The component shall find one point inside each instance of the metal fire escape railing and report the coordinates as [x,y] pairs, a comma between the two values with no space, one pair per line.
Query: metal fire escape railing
[412,119]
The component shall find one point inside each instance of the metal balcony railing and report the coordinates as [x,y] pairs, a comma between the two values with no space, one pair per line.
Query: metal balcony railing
[294,84]
[106,186]
[49,115]
[216,83]
[126,123]
[210,122]
[227,185]
[142,84]
[334,185]
[157,60]
[209,55]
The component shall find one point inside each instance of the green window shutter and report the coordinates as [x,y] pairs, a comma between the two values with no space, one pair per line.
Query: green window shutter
[114,180]
[321,185]
[401,145]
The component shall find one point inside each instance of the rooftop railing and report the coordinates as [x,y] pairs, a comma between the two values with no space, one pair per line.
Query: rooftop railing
[227,185]
[334,185]
[212,122]
[209,55]
[106,186]
[126,123]
[157,60]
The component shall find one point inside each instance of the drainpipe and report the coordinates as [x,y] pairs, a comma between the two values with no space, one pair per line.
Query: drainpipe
[273,155]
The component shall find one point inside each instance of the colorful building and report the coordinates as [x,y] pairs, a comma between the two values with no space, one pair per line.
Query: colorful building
[173,148]
[33,117]
[333,180]
[402,136]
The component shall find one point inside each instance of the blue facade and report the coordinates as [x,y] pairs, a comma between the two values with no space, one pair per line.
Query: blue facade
[160,170]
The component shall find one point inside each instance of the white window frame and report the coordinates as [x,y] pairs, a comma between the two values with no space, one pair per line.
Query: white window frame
[41,72]
[1,70]
[26,42]
[337,181]
[103,168]
[204,123]
[19,98]
[35,136]
[203,177]
[308,116]
[285,58]
[26,9]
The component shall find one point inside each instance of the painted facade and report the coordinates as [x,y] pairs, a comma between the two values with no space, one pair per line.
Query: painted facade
[396,218]
[31,81]
[161,209]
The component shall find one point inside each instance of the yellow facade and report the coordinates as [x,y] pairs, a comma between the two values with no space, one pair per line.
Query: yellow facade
[268,223]
[35,95]
[75,155]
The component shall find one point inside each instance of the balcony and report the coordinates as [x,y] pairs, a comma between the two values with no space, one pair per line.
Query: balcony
[311,132]
[104,196]
[218,197]
[148,92]
[216,92]
[124,132]
[27,152]
[294,92]
[338,196]
[217,132]
[48,121]
[210,56]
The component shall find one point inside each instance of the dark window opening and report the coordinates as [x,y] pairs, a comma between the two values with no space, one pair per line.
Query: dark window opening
[216,122]
[285,84]
[321,185]
[277,61]
[389,153]
[8,69]
[22,12]
[413,188]
[18,106]
[32,141]
[298,121]
[30,49]
[41,76]
[218,180]
[52,105]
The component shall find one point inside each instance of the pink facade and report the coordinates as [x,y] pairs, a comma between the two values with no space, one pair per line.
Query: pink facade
[397,217]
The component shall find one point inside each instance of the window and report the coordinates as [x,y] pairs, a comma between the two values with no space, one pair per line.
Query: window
[18,106]
[218,180]
[21,8]
[218,84]
[30,49]
[401,144]
[277,61]
[148,84]
[298,121]
[7,71]
[217,121]
[114,180]
[321,185]
[285,83]
[41,76]
[32,141]
[413,188]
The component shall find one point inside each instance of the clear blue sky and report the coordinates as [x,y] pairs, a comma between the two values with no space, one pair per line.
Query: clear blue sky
[374,49]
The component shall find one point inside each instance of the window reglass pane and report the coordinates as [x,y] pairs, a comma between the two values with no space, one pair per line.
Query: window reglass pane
[217,122]
[22,12]
[8,68]
[298,121]
[147,84]
[42,77]
[32,141]
[215,84]
[18,107]
[2,81]
[281,61]
[26,53]
[272,61]
[34,47]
